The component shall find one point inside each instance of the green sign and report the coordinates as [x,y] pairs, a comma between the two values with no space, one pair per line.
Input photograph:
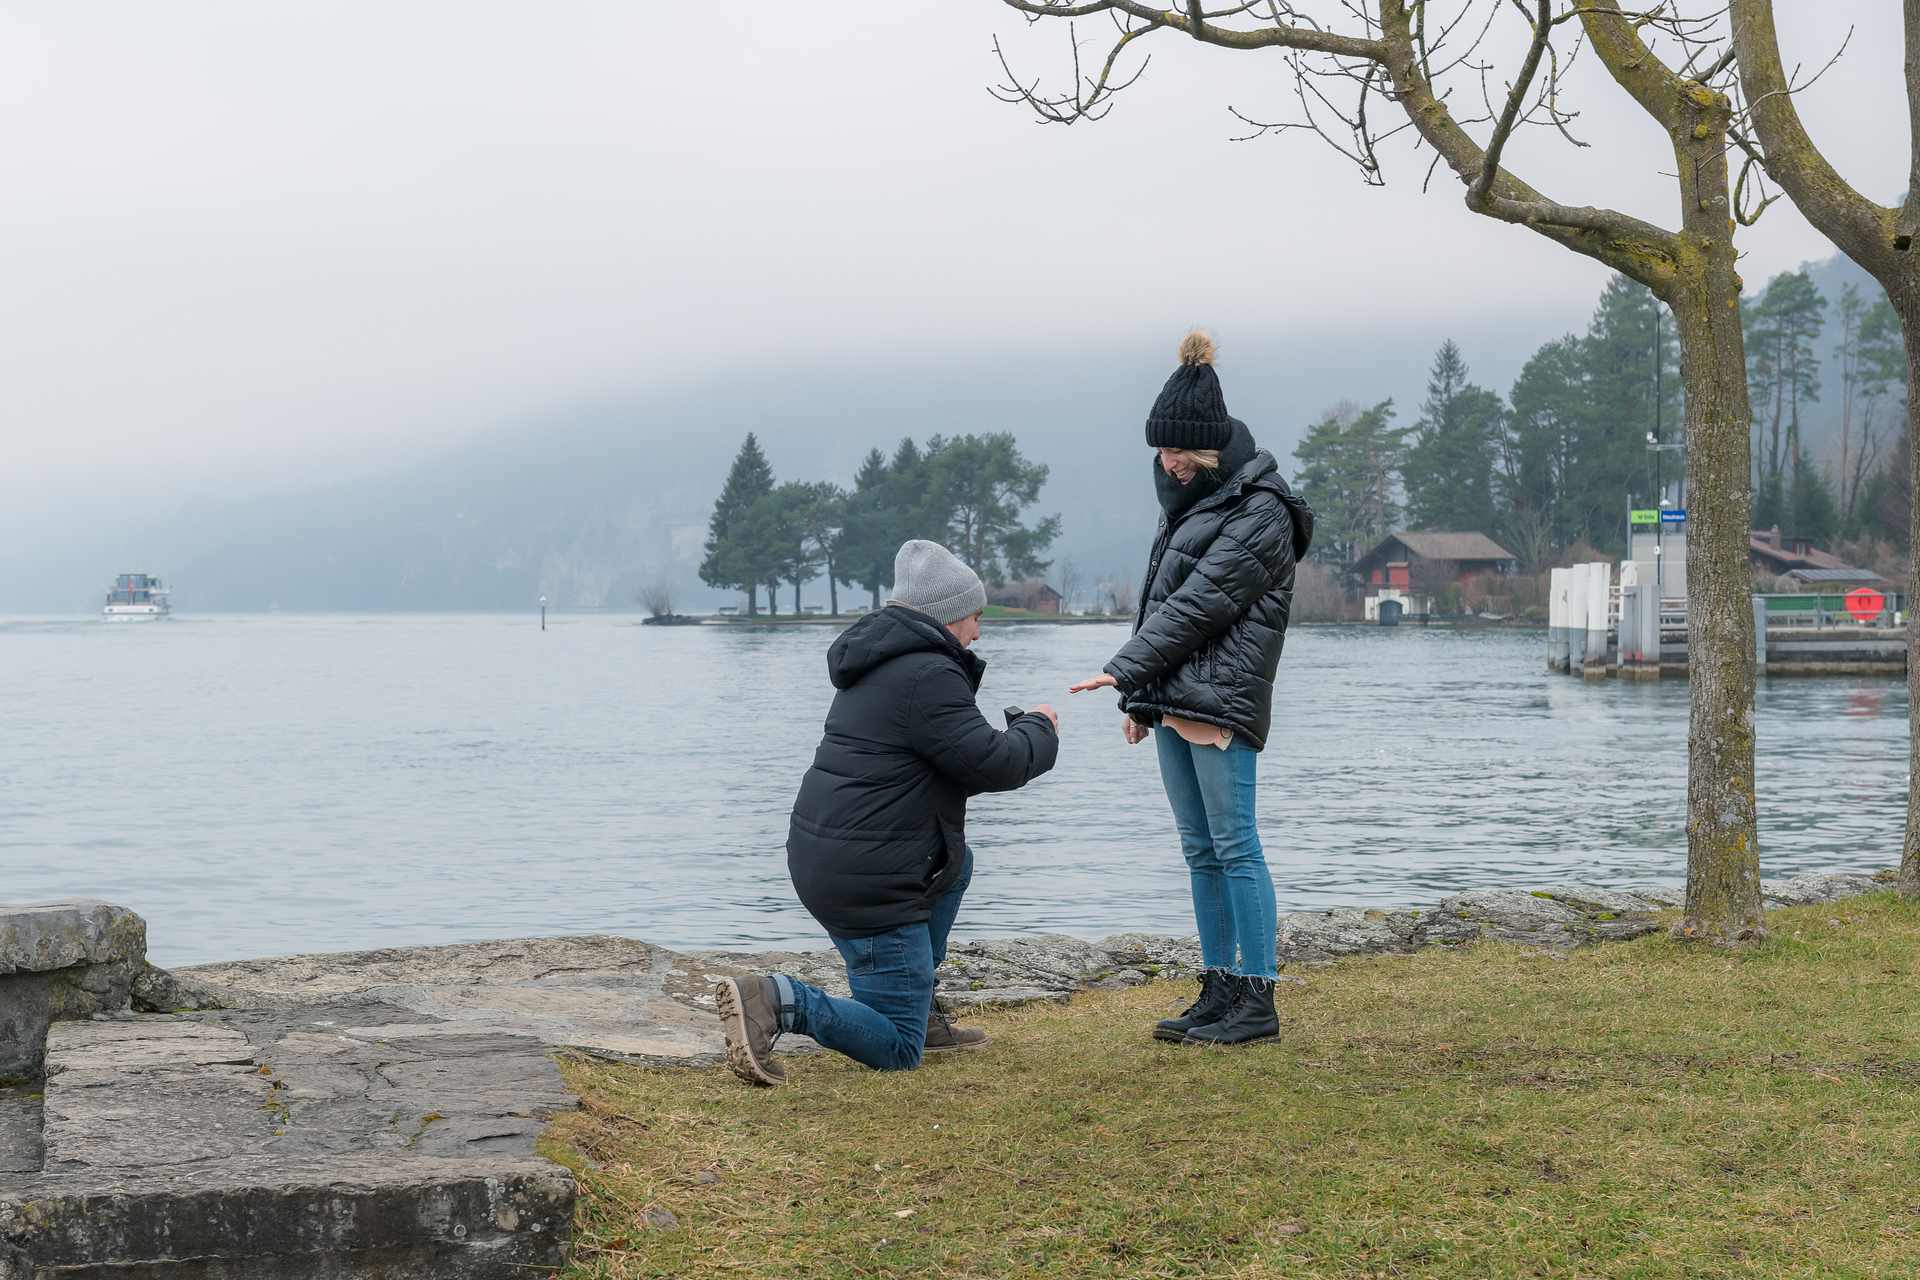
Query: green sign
[1650,515]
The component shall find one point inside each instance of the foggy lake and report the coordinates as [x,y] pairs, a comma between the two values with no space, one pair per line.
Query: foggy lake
[266,784]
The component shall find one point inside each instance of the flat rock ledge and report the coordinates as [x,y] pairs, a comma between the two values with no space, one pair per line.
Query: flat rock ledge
[374,1113]
[627,999]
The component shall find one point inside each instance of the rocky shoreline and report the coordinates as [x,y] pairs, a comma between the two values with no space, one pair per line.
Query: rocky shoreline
[375,1112]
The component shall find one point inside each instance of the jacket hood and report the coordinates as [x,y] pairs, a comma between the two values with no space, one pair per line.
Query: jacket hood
[889,633]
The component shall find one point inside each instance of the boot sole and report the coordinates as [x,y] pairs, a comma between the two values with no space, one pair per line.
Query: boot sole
[1231,1044]
[1167,1035]
[733,1019]
[957,1048]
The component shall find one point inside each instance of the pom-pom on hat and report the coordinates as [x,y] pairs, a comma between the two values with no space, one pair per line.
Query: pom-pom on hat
[1191,413]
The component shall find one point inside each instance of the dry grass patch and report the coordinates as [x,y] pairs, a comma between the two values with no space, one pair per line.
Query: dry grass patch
[1642,1109]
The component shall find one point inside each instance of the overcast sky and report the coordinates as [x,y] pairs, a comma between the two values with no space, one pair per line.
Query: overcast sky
[256,241]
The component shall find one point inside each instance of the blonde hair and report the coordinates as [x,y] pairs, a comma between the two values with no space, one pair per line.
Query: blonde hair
[1205,459]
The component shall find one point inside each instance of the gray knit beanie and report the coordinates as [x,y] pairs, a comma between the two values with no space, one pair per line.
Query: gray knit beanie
[932,580]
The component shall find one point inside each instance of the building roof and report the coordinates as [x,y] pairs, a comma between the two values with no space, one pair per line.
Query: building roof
[1835,575]
[1019,591]
[1762,547]
[1435,544]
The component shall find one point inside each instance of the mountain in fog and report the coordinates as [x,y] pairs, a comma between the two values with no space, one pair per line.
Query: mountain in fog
[591,502]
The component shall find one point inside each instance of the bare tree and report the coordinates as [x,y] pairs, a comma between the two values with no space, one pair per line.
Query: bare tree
[1878,237]
[657,599]
[1069,574]
[1365,70]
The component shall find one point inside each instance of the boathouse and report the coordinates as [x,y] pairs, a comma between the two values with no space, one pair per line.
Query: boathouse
[1798,560]
[1414,566]
[1034,597]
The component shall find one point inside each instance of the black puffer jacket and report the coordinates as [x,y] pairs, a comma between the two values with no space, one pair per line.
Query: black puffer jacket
[879,830]
[1219,587]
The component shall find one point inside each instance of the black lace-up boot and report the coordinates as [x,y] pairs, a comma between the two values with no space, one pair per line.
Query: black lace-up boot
[1249,1019]
[1216,997]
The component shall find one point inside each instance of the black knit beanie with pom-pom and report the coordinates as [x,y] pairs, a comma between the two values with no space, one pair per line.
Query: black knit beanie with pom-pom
[1191,413]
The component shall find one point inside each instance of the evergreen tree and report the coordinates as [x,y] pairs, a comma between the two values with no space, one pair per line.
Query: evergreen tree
[823,517]
[977,488]
[908,500]
[732,559]
[866,536]
[1629,357]
[1536,462]
[1449,469]
[785,519]
[1783,373]
[1811,510]
[1350,464]
[1882,376]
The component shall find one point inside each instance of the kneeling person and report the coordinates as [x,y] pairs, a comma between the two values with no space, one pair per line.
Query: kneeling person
[877,847]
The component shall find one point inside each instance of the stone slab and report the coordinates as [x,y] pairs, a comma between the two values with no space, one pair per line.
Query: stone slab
[62,960]
[325,1141]
[264,1216]
[40,937]
[21,1150]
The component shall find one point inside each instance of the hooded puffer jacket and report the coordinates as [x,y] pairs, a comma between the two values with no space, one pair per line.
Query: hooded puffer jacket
[1219,587]
[879,830]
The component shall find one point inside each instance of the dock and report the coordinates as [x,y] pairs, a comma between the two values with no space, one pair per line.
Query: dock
[1605,623]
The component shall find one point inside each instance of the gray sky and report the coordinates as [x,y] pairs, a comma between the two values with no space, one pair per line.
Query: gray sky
[254,242]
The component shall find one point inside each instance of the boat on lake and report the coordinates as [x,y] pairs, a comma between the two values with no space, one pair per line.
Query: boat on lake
[137,597]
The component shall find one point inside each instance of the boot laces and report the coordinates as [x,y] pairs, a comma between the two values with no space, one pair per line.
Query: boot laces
[1210,980]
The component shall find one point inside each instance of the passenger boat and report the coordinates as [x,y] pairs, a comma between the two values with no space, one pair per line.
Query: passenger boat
[137,597]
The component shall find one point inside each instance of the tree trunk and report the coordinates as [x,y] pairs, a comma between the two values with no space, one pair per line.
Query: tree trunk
[1907,300]
[796,595]
[753,600]
[833,591]
[1723,848]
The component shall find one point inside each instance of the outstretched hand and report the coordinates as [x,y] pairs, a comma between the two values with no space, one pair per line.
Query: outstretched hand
[1101,681]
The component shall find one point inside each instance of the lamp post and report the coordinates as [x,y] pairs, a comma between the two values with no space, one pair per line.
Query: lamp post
[543,613]
[1660,530]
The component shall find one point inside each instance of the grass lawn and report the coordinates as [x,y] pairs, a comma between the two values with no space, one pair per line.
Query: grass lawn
[1642,1109]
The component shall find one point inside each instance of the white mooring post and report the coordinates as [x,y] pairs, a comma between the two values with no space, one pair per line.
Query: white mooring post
[1651,605]
[1576,616]
[1760,635]
[1599,581]
[1557,620]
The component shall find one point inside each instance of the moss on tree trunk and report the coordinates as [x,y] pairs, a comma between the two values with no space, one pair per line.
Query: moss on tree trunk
[1723,848]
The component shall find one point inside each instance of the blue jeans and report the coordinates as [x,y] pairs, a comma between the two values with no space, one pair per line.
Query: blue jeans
[884,1026]
[1211,792]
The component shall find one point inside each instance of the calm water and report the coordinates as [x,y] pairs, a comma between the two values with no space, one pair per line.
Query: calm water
[271,784]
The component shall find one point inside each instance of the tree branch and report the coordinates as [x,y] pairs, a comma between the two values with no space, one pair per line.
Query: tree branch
[1858,225]
[1478,193]
[1278,35]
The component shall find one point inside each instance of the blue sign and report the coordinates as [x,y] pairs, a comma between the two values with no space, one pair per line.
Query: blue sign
[1674,516]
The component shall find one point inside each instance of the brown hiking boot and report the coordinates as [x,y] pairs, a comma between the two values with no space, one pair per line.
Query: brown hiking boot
[750,1014]
[944,1037]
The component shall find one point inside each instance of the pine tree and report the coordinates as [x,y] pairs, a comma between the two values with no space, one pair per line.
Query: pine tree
[1548,405]
[977,487]
[1349,468]
[1782,325]
[732,560]
[1449,469]
[784,518]
[866,538]
[1629,356]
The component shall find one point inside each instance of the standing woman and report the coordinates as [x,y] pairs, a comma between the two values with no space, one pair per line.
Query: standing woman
[1198,676]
